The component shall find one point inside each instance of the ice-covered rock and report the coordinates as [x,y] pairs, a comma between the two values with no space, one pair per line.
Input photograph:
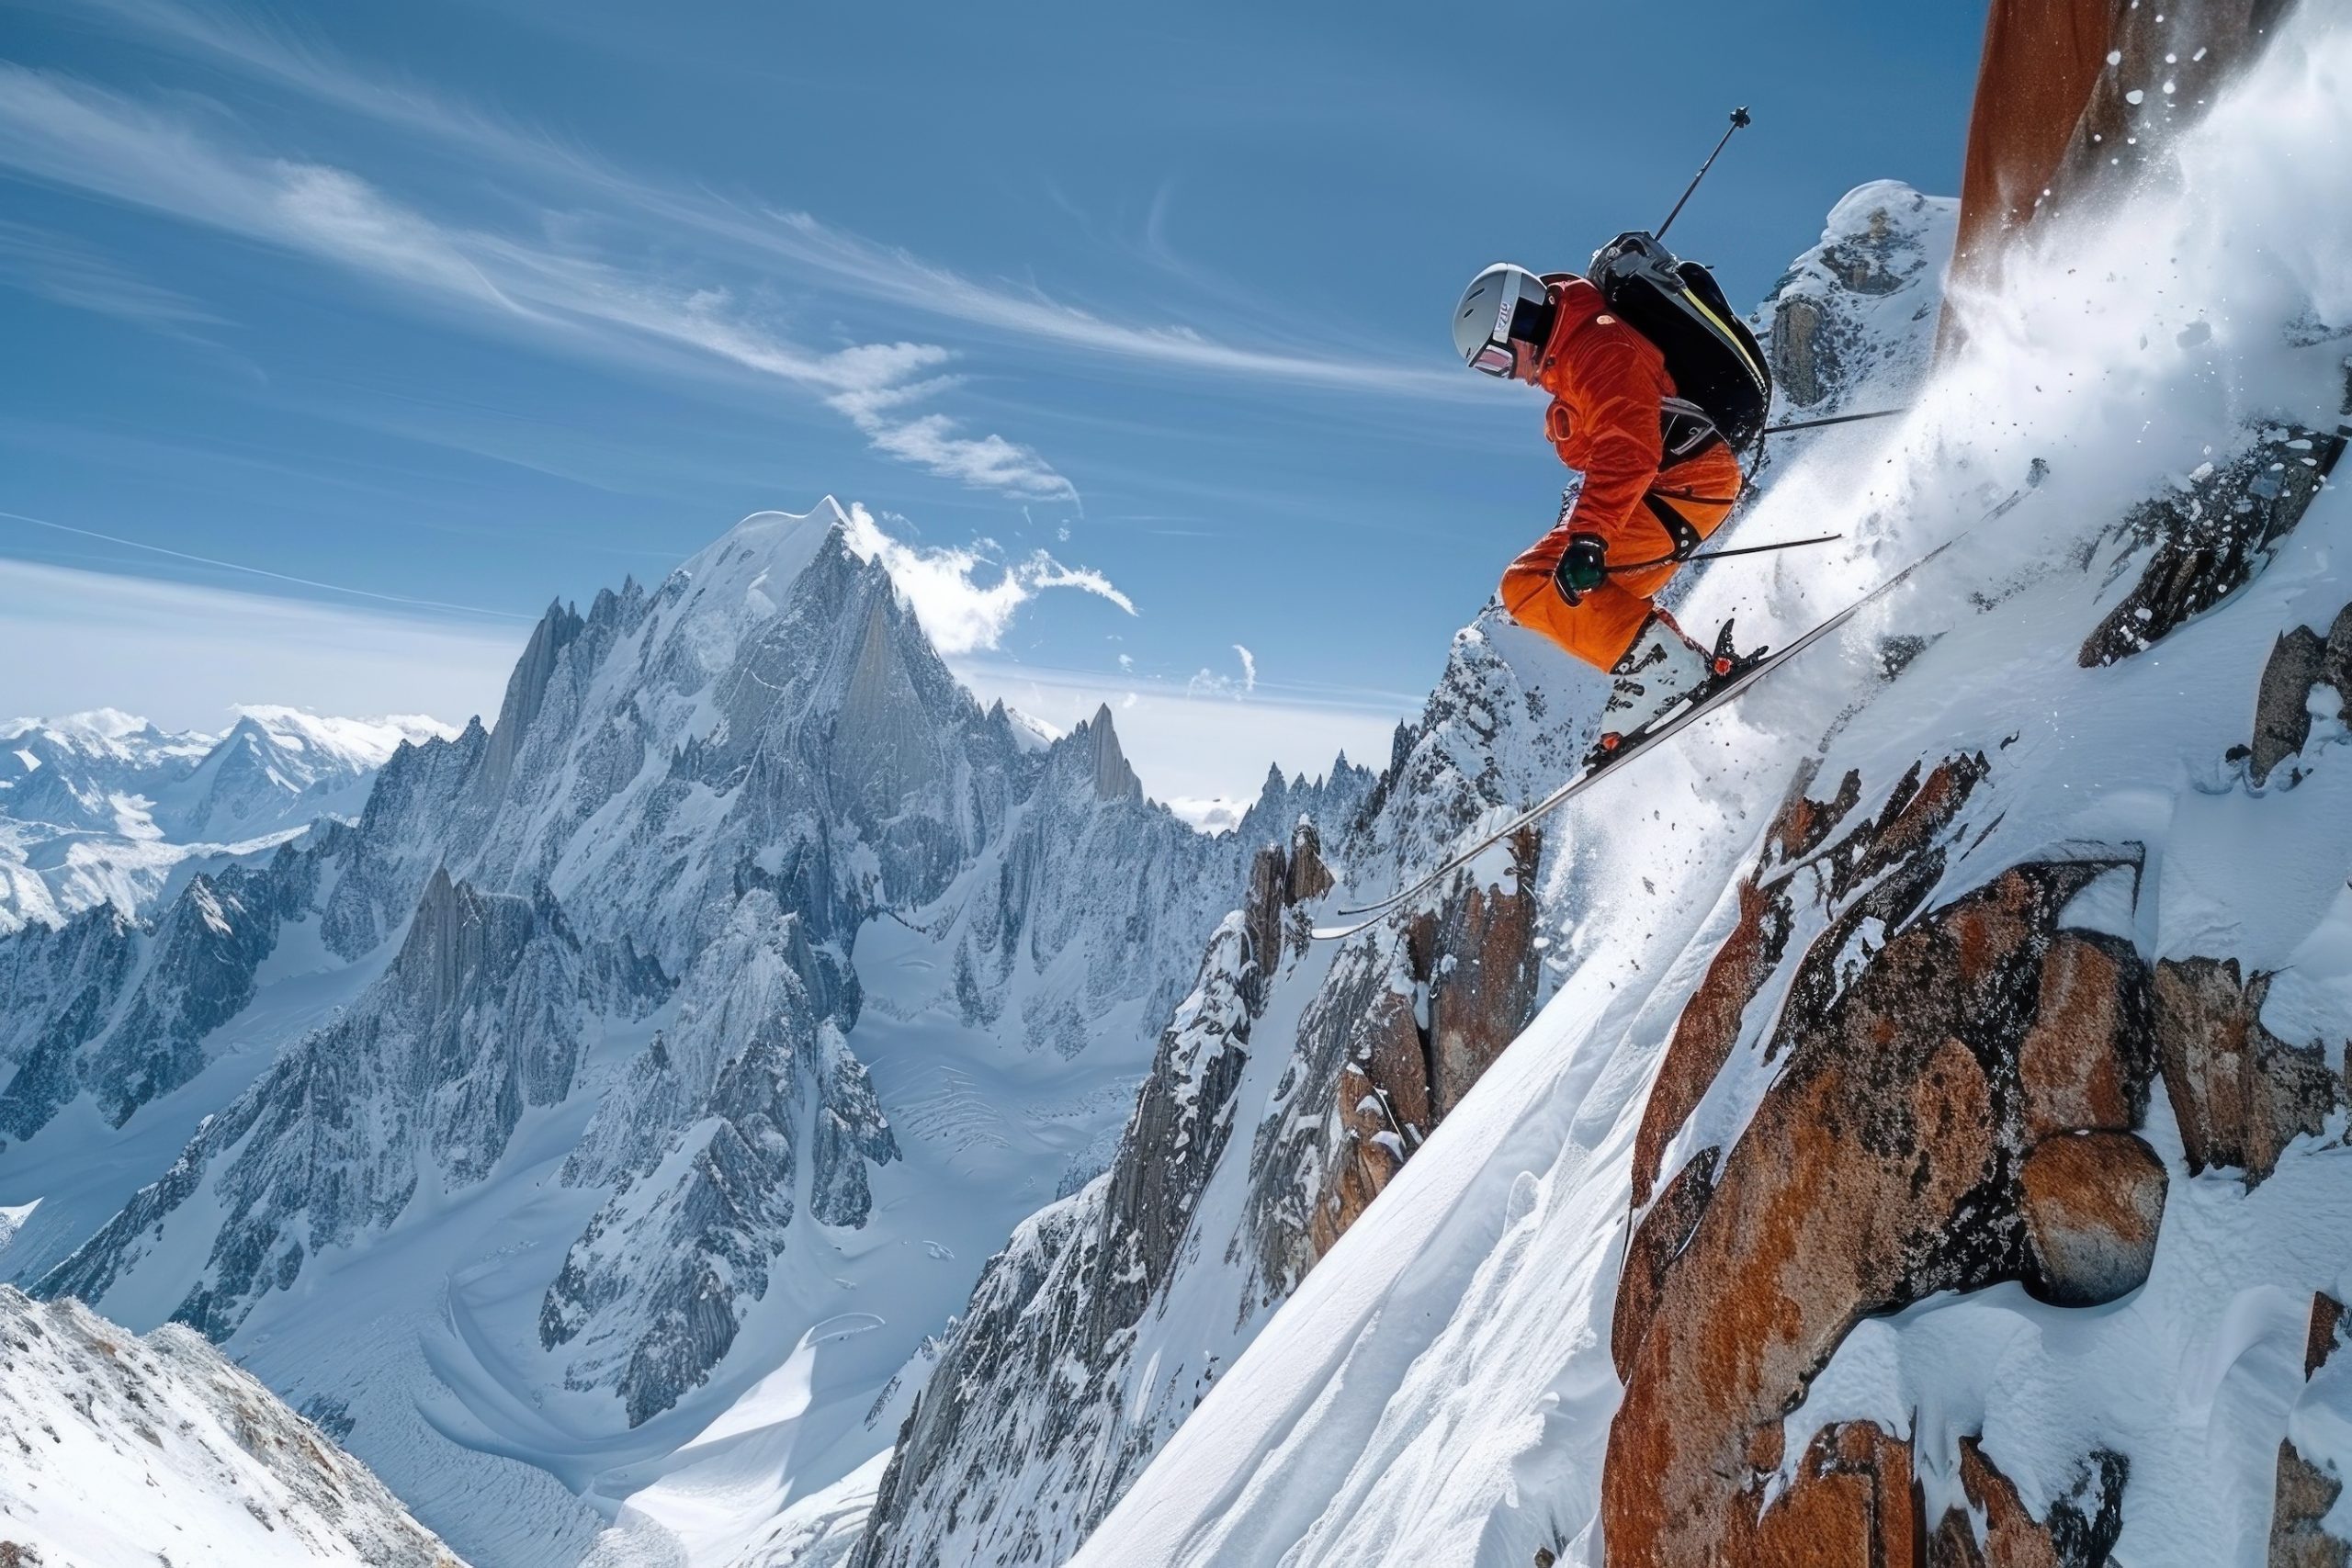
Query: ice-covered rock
[1851,322]
[486,1012]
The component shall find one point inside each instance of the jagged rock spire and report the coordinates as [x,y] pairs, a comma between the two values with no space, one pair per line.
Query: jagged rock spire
[526,688]
[1114,779]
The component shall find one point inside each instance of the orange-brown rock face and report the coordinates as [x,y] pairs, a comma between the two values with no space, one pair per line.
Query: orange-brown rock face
[2036,73]
[1852,1501]
[2305,1492]
[2240,1093]
[2092,1202]
[2078,1531]
[1406,1025]
[2055,122]
[1711,1023]
[1952,1108]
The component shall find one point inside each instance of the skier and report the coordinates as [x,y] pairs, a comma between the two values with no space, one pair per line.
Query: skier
[1658,478]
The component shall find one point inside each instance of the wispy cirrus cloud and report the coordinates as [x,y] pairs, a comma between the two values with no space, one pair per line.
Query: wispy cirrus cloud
[182,654]
[960,614]
[215,562]
[65,272]
[1254,346]
[84,138]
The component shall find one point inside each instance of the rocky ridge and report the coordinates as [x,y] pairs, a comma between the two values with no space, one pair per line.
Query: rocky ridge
[107,809]
[123,1451]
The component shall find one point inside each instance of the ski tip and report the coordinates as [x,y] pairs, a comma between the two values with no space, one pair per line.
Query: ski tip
[1339,933]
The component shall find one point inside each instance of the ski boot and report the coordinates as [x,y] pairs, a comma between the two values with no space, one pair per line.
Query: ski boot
[1662,674]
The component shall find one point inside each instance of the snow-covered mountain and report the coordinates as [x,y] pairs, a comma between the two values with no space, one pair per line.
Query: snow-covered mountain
[127,1452]
[1932,1150]
[104,807]
[637,1084]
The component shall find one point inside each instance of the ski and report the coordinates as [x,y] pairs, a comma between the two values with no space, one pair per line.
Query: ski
[1368,915]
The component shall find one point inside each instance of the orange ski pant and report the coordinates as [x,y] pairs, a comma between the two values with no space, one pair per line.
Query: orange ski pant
[1601,626]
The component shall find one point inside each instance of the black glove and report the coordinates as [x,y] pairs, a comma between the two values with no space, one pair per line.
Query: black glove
[1583,569]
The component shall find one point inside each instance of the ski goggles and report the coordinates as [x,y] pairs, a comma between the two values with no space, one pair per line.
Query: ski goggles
[1498,358]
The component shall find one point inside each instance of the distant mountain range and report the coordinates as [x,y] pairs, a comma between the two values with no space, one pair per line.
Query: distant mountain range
[104,807]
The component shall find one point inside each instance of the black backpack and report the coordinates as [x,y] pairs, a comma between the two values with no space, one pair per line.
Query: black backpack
[1679,306]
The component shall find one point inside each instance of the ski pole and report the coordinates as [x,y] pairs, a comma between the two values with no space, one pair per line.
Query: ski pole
[1725,555]
[1739,118]
[1834,419]
[1759,550]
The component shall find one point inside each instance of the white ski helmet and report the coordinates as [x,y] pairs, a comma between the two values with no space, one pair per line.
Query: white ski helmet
[1490,305]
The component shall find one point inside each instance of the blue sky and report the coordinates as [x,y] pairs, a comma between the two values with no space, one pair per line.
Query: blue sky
[1127,326]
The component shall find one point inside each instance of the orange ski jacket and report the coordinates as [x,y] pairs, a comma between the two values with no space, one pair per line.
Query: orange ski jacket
[1607,383]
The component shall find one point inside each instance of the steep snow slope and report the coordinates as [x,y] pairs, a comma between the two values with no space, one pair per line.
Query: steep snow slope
[698,1030]
[1297,1080]
[1454,1381]
[125,1452]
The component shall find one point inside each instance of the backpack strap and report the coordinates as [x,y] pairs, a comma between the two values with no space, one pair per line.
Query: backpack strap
[1678,527]
[1685,430]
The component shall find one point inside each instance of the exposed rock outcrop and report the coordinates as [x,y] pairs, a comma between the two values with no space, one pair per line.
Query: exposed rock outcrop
[2240,1093]
[527,690]
[1839,320]
[1386,1053]
[2092,1202]
[1920,1135]
[2210,539]
[2300,663]
[2078,1530]
[2306,1491]
[1114,779]
[2075,99]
